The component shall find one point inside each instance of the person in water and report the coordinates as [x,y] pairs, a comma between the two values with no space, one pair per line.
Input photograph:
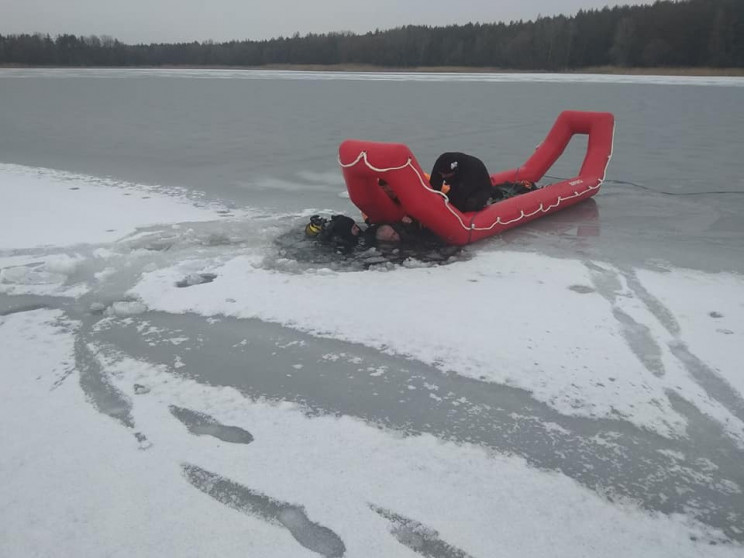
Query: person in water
[467,177]
[340,231]
[344,233]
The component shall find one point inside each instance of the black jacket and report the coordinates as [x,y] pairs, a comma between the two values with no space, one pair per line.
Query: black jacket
[468,179]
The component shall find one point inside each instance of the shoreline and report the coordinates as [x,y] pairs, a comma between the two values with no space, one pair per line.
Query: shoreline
[608,70]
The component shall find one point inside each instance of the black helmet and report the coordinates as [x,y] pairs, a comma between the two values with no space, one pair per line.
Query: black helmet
[340,230]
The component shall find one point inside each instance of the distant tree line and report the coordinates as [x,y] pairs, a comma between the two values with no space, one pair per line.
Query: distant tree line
[690,33]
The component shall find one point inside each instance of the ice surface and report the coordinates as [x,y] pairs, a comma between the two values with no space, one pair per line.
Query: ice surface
[584,337]
[295,75]
[55,208]
[100,464]
[102,495]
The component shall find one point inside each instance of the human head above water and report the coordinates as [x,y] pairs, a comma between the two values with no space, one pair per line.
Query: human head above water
[386,233]
[341,231]
[344,226]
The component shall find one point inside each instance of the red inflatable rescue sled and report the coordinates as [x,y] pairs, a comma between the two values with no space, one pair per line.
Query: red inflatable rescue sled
[365,164]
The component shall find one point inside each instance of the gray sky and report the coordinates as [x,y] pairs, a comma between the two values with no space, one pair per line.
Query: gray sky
[147,21]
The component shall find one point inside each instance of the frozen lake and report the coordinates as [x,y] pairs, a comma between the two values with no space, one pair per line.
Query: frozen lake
[174,368]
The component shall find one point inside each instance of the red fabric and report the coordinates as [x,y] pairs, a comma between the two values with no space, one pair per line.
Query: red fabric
[365,163]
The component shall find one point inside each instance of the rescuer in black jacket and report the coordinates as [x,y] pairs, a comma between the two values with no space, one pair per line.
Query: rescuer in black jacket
[468,179]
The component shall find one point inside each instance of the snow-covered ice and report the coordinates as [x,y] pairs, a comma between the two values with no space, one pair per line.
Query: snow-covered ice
[99,453]
[301,75]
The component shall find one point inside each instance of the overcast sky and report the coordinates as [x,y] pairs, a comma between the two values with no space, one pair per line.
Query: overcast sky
[133,21]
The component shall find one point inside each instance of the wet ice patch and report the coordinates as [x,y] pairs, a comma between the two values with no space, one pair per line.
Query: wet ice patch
[98,386]
[201,424]
[581,289]
[140,389]
[695,299]
[419,538]
[311,535]
[196,279]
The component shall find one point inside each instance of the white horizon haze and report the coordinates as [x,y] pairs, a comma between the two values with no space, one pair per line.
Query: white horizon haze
[169,21]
